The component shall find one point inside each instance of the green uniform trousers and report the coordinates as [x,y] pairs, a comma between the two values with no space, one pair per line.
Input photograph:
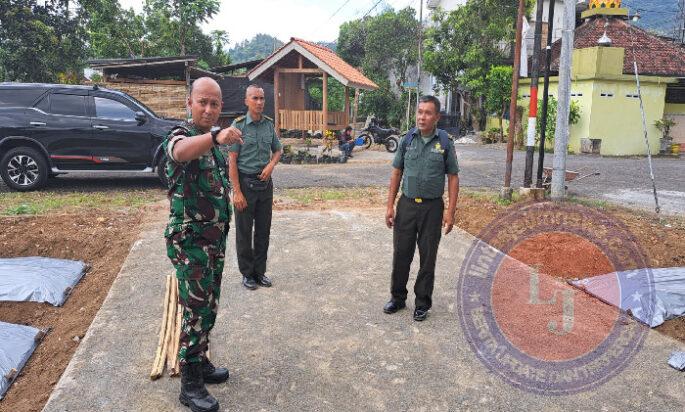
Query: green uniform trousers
[198,254]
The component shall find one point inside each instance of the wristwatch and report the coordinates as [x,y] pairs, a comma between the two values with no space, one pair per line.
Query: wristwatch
[215,132]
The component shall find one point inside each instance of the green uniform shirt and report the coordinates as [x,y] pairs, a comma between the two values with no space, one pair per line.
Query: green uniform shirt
[198,189]
[259,142]
[424,166]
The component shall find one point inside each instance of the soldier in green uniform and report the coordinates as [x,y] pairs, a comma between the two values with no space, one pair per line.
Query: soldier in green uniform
[425,156]
[250,168]
[196,234]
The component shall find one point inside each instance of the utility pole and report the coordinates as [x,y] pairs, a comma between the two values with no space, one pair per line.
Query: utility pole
[418,64]
[505,192]
[545,92]
[533,108]
[682,17]
[564,107]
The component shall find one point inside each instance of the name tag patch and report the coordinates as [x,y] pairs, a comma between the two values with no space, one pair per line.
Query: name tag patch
[437,149]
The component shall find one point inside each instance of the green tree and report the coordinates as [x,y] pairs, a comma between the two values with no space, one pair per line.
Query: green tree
[498,92]
[115,32]
[185,15]
[40,41]
[550,130]
[258,47]
[462,45]
[351,42]
[219,41]
[336,93]
[384,46]
[391,44]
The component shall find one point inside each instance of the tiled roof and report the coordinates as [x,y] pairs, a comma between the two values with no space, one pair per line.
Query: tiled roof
[326,58]
[329,57]
[655,55]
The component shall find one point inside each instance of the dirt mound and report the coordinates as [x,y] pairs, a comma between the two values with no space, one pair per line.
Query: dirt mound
[102,240]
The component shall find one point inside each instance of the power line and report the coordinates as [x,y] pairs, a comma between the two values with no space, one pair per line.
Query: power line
[372,8]
[337,11]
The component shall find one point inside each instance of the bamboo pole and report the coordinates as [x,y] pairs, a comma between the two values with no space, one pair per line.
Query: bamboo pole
[325,103]
[170,329]
[158,364]
[176,368]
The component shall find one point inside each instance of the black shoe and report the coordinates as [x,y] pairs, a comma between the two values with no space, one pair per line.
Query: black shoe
[249,283]
[420,314]
[212,374]
[263,281]
[393,306]
[193,392]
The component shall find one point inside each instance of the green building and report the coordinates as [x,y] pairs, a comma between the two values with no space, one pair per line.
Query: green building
[603,83]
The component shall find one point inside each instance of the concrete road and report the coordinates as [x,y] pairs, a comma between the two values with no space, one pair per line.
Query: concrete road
[318,340]
[623,181]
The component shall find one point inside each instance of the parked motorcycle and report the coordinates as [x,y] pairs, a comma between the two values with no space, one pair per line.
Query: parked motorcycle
[373,133]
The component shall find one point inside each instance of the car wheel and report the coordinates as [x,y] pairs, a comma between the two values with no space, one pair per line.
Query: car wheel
[391,144]
[161,171]
[24,169]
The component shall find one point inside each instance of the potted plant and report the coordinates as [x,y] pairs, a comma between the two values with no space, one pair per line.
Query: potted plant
[664,125]
[300,157]
[287,155]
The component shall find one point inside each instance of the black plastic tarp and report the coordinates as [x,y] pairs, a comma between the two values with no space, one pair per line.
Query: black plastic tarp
[233,94]
[39,279]
[17,343]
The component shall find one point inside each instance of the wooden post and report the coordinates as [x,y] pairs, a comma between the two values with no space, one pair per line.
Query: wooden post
[276,106]
[299,61]
[354,110]
[325,102]
[347,106]
[187,74]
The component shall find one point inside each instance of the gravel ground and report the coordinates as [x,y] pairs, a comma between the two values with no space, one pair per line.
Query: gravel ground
[622,180]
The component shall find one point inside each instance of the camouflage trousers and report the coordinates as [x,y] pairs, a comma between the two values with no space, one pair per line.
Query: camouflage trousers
[198,254]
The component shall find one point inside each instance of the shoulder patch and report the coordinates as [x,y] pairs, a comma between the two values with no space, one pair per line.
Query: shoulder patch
[239,118]
[181,129]
[268,118]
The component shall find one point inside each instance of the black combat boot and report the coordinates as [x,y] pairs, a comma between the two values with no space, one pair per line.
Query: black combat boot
[193,392]
[212,374]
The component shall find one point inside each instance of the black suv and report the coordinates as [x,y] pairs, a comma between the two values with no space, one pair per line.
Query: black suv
[51,129]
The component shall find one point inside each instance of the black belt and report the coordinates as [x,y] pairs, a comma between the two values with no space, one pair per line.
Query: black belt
[419,200]
[241,174]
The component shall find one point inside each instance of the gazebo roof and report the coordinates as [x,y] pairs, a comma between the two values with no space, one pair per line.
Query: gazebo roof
[323,57]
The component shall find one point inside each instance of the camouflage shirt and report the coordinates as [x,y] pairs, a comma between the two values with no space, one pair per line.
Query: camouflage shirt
[198,189]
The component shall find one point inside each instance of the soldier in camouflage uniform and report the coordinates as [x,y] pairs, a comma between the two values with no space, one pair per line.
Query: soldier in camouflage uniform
[196,234]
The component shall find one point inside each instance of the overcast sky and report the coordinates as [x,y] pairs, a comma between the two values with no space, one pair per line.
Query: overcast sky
[306,19]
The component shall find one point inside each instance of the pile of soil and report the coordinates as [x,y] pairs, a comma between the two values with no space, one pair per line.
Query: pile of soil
[102,240]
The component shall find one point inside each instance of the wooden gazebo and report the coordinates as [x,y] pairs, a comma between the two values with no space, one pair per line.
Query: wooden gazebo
[289,67]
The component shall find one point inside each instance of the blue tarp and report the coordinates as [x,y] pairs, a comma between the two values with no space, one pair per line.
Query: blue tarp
[652,296]
[17,343]
[39,279]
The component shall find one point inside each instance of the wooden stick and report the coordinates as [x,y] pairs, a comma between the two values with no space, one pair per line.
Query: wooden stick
[176,368]
[172,323]
[156,372]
